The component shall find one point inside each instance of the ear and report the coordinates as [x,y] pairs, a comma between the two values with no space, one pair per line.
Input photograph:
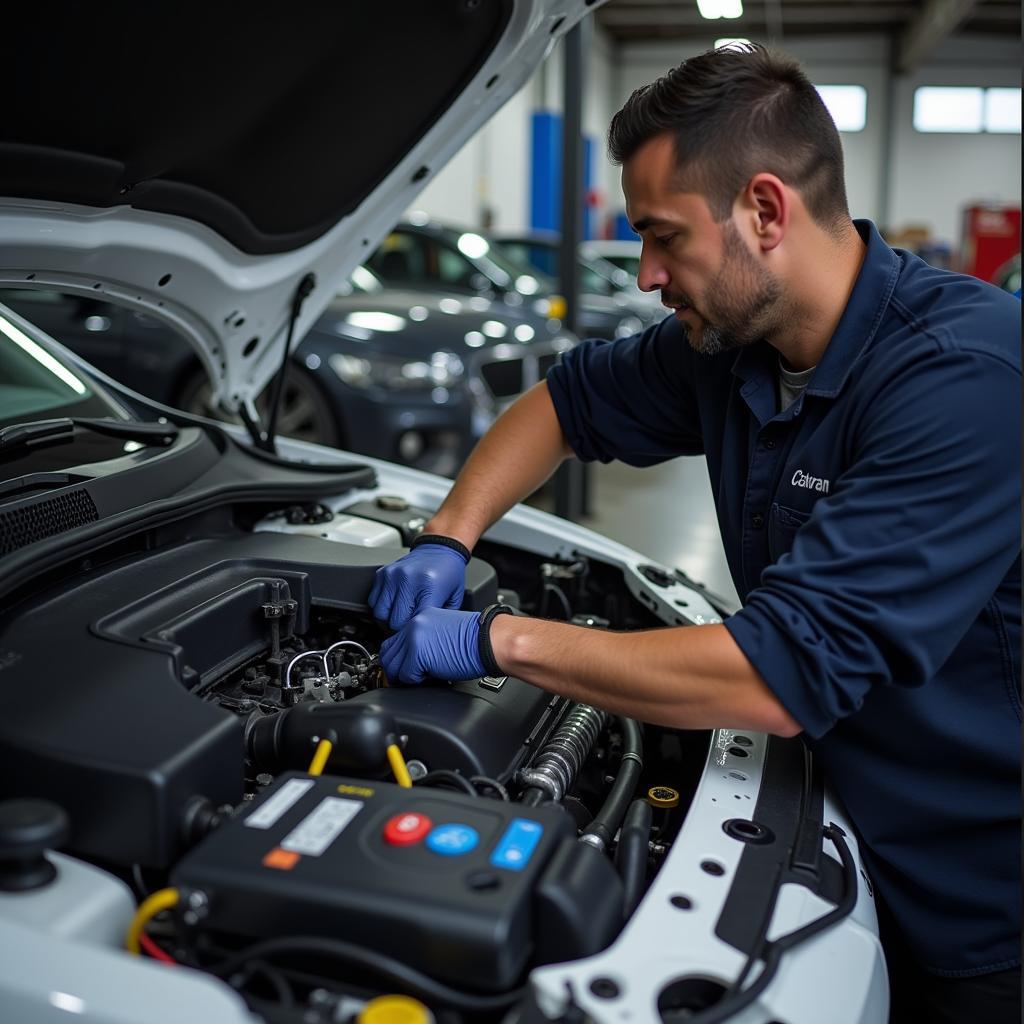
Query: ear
[767,202]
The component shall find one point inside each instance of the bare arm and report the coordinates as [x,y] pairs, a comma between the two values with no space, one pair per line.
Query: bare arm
[523,448]
[689,677]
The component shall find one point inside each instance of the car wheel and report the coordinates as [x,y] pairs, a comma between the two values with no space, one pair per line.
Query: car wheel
[305,413]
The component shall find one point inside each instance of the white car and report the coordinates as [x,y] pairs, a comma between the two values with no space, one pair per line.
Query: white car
[212,806]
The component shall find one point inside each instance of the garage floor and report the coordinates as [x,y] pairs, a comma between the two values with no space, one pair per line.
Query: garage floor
[666,512]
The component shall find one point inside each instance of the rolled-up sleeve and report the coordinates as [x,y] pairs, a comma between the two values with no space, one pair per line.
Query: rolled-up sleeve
[630,400]
[891,569]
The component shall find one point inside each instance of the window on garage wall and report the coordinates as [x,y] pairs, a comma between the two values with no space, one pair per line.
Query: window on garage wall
[848,105]
[966,109]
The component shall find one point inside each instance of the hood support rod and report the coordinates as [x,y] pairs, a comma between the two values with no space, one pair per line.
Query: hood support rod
[264,439]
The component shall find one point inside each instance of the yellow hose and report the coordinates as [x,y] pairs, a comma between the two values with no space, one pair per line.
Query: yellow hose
[162,899]
[319,762]
[397,762]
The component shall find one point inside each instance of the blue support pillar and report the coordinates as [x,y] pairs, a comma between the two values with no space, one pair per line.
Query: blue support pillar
[546,171]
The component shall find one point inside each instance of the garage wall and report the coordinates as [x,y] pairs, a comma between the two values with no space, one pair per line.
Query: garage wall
[933,175]
[894,175]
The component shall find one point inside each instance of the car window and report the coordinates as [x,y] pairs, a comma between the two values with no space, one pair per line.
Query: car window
[401,257]
[454,269]
[36,384]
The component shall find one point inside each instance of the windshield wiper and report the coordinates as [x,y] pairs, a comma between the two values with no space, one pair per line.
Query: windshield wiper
[47,432]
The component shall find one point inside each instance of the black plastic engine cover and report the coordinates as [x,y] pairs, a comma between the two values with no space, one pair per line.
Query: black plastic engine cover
[472,727]
[96,713]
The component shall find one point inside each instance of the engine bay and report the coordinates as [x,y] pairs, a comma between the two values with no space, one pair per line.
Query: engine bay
[218,726]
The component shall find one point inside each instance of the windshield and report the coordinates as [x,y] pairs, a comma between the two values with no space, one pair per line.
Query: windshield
[35,384]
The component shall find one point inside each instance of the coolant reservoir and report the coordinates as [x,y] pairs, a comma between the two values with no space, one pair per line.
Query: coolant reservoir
[340,527]
[82,904]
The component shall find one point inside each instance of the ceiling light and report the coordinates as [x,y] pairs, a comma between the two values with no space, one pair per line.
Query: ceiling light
[712,9]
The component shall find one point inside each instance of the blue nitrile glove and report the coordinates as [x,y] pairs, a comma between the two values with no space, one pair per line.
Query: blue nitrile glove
[430,576]
[437,642]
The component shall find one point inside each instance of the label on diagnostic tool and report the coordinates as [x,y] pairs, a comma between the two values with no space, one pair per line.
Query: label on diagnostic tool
[516,846]
[322,826]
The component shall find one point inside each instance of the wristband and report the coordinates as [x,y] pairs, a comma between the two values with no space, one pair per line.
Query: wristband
[445,542]
[491,667]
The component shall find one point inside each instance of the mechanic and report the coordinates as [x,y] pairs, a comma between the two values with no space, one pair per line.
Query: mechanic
[860,416]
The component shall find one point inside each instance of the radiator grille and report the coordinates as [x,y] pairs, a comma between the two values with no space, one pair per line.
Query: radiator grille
[45,519]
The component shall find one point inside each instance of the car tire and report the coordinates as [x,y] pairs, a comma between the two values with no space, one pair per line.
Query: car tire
[305,412]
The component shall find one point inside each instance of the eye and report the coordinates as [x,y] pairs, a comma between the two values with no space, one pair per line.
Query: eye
[665,240]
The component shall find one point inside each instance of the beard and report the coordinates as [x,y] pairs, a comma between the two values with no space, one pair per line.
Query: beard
[742,304]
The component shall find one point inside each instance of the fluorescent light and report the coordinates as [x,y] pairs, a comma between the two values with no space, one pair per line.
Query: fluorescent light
[712,9]
[728,41]
[948,109]
[1002,111]
[848,105]
[41,356]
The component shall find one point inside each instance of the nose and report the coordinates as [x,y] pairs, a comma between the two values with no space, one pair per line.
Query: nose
[652,276]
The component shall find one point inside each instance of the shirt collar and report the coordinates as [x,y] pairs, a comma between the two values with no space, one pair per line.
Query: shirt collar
[857,326]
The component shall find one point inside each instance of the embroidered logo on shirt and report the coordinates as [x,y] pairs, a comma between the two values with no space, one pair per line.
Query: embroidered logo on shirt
[810,483]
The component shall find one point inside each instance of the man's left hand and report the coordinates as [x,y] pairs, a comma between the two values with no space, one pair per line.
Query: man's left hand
[438,642]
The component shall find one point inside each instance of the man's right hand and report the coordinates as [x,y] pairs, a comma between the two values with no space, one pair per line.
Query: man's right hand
[430,576]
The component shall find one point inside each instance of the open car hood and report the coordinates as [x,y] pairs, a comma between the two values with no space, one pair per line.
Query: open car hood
[199,163]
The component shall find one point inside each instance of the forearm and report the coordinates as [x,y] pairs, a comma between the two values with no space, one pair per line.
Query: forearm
[518,453]
[692,677]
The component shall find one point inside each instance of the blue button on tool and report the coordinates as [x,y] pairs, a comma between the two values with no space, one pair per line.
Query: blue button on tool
[516,846]
[452,840]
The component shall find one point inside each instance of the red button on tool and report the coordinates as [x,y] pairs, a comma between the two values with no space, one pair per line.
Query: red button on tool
[406,829]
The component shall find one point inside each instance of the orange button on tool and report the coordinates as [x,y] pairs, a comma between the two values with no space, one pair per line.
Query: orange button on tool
[406,829]
[285,860]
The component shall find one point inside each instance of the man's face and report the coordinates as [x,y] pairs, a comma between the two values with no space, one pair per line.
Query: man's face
[707,275]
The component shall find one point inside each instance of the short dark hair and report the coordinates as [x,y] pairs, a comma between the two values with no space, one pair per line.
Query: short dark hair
[734,112]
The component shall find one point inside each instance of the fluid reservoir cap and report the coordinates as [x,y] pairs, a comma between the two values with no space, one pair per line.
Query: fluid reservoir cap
[663,796]
[394,1010]
[28,828]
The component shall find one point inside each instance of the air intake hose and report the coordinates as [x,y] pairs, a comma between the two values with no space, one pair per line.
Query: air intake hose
[360,735]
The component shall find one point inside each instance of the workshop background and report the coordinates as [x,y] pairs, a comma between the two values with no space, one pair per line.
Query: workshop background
[926,95]
[468,302]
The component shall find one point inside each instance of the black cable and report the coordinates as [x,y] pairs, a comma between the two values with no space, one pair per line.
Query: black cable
[607,820]
[559,593]
[488,783]
[631,854]
[274,977]
[392,970]
[305,286]
[441,776]
[737,998]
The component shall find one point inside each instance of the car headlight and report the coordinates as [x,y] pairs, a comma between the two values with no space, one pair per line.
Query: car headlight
[627,326]
[441,370]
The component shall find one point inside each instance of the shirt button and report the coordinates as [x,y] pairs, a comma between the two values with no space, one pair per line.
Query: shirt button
[769,444]
[758,520]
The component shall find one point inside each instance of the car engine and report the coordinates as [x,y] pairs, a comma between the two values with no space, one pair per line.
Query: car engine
[215,723]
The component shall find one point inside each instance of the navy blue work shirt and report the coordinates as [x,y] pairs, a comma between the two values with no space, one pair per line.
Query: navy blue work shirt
[873,533]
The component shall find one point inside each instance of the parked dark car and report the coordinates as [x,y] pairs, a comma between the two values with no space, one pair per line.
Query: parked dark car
[411,376]
[432,255]
[598,276]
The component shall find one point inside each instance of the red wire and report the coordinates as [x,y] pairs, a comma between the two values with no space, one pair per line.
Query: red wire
[155,951]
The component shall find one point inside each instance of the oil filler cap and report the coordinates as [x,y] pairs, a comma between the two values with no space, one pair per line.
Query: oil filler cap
[394,1010]
[663,796]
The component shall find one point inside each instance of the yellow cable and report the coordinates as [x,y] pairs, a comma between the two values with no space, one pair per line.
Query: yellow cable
[162,899]
[397,762]
[319,762]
